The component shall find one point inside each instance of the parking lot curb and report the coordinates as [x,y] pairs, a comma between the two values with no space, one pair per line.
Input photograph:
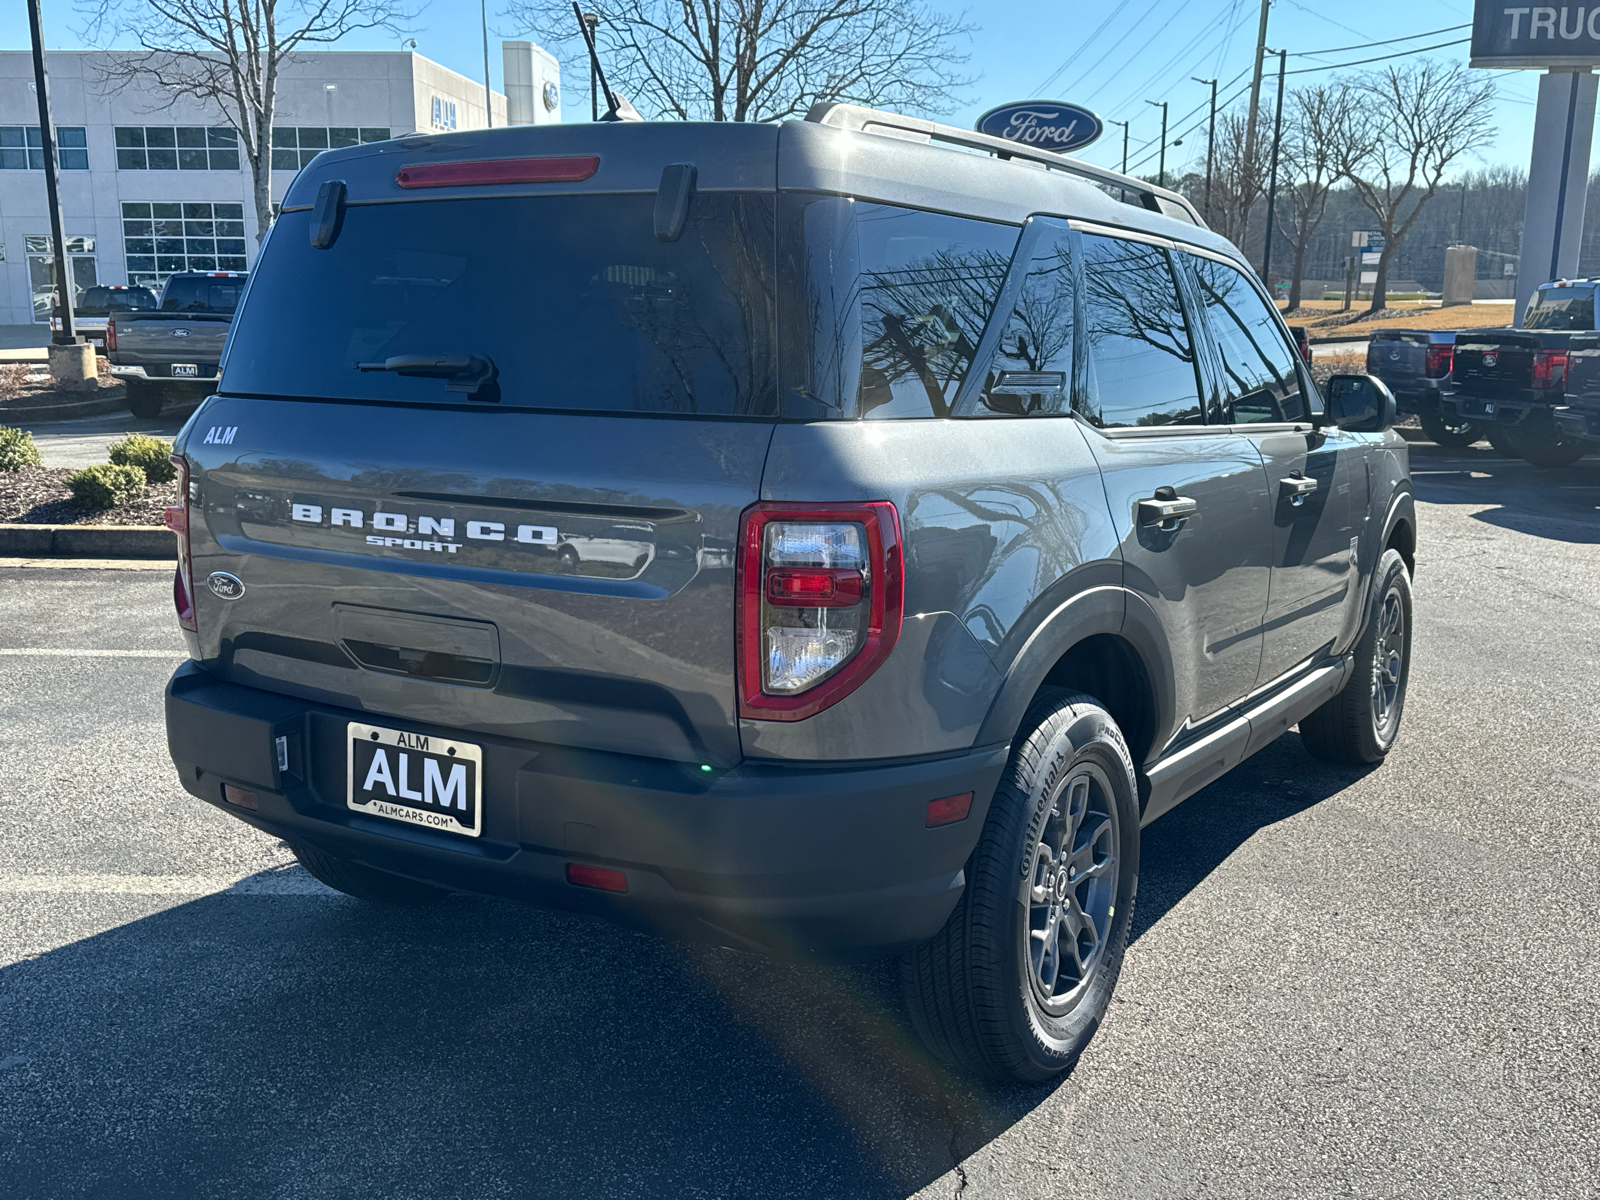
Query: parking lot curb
[87,541]
[15,414]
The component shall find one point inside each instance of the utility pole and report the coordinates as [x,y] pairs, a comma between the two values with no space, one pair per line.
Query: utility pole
[67,335]
[593,22]
[1211,139]
[1255,89]
[1161,176]
[1124,125]
[1272,186]
[488,96]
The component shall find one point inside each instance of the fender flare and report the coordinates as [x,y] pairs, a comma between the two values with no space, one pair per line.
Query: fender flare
[1107,609]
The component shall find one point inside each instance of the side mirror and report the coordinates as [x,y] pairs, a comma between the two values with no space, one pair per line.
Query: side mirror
[1359,404]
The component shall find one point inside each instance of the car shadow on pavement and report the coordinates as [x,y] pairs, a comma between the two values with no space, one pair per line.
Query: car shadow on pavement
[304,1044]
[1560,504]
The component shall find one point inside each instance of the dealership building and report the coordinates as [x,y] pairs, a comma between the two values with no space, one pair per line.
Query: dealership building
[152,184]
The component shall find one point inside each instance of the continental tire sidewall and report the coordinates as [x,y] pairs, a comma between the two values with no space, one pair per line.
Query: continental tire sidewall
[1054,1042]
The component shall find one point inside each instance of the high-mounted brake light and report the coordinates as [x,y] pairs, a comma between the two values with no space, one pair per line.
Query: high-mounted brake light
[470,172]
[1549,368]
[178,521]
[821,600]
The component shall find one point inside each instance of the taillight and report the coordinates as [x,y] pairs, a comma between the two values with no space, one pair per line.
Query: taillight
[545,169]
[1440,360]
[821,599]
[1549,368]
[111,334]
[178,522]
[1372,358]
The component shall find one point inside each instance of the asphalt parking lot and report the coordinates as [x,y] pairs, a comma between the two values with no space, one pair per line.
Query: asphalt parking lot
[1343,983]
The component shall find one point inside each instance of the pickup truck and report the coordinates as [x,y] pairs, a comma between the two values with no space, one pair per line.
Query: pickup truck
[1579,419]
[98,304]
[1417,364]
[173,352]
[1513,380]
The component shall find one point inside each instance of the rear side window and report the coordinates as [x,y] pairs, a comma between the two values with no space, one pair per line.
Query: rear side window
[201,294]
[1031,371]
[1260,369]
[572,299]
[884,306]
[1140,355]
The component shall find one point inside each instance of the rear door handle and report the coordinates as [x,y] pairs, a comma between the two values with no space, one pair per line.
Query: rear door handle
[1296,488]
[1166,511]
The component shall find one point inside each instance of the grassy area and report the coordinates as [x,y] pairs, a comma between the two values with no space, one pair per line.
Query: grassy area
[1323,318]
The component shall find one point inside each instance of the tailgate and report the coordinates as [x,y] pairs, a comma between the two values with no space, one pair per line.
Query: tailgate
[1399,358]
[1583,371]
[166,339]
[1494,364]
[564,578]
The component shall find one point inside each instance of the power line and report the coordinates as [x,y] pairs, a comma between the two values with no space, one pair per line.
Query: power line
[1137,93]
[1082,46]
[1380,58]
[1410,37]
[1127,33]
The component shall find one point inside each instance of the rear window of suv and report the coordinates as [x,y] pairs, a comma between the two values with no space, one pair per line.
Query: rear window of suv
[572,298]
[1561,309]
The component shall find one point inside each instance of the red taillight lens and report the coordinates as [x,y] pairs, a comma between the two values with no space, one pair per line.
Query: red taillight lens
[1439,361]
[549,169]
[1549,368]
[111,334]
[178,522]
[579,875]
[821,600]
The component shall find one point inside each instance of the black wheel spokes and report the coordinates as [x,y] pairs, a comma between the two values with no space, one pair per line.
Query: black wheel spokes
[1388,661]
[1073,887]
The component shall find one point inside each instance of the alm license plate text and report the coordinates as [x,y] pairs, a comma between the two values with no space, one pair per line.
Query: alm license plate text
[429,781]
[184,370]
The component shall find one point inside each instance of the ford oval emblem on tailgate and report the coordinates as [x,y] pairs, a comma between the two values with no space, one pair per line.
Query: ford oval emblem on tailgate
[180,333]
[225,586]
[1491,359]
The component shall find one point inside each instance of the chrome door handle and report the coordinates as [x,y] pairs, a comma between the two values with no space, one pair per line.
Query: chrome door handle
[1296,488]
[1166,511]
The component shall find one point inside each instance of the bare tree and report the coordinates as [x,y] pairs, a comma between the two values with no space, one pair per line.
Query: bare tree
[1311,152]
[764,60]
[1411,123]
[228,54]
[1238,180]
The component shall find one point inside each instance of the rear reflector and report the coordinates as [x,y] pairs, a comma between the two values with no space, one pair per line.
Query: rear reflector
[949,810]
[238,796]
[470,172]
[596,877]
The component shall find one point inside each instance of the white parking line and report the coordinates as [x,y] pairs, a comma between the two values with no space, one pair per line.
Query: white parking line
[76,652]
[290,882]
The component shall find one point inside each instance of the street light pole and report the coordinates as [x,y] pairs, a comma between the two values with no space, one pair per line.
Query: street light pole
[592,20]
[1161,169]
[1211,139]
[67,335]
[1272,185]
[1124,125]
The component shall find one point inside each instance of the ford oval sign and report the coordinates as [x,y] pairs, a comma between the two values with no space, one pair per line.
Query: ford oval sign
[1042,124]
[225,586]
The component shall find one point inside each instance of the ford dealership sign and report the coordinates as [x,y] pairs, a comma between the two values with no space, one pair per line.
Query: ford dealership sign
[1042,124]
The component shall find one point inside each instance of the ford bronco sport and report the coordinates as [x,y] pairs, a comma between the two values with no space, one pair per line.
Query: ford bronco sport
[840,533]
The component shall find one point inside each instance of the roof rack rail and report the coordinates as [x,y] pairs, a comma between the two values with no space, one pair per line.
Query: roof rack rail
[860,119]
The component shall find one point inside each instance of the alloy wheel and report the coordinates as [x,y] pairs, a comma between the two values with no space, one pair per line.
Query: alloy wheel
[1388,664]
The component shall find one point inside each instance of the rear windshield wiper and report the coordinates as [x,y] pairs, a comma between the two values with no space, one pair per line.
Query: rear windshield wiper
[472,374]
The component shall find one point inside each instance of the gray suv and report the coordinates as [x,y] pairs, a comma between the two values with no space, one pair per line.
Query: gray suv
[838,534]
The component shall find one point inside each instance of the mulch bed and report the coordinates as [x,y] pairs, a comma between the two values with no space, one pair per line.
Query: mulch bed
[21,386]
[39,496]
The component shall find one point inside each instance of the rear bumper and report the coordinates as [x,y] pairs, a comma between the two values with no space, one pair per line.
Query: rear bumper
[134,371]
[1419,396]
[1578,422]
[819,855]
[1498,410]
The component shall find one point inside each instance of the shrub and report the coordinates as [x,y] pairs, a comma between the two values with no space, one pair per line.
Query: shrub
[147,453]
[17,449]
[106,486]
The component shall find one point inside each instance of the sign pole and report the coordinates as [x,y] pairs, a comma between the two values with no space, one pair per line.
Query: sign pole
[67,335]
[1552,220]
[1272,185]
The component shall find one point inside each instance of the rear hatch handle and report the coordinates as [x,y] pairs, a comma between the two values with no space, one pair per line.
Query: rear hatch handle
[472,374]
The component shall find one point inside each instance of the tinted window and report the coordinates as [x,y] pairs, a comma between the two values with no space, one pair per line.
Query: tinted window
[201,294]
[102,301]
[884,306]
[572,298]
[1140,355]
[1031,372]
[1561,308]
[1261,380]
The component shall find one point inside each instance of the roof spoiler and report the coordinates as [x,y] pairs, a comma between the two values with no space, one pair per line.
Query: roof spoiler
[859,119]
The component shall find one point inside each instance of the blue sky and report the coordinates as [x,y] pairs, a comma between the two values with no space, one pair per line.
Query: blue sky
[1115,53]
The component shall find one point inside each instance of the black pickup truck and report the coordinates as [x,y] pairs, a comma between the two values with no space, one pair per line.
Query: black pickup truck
[173,353]
[1579,419]
[1512,380]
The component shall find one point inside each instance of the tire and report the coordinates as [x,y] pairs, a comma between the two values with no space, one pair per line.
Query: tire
[1451,434]
[985,993]
[1361,723]
[1552,453]
[363,882]
[1502,439]
[144,401]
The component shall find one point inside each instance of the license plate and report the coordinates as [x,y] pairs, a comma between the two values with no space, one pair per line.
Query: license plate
[429,781]
[1488,409]
[180,370]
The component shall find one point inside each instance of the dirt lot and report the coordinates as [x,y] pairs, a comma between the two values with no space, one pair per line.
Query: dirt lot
[1323,318]
[39,496]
